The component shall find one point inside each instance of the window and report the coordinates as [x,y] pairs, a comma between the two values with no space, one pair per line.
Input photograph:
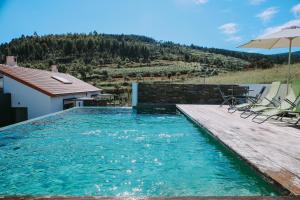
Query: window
[69,103]
[61,79]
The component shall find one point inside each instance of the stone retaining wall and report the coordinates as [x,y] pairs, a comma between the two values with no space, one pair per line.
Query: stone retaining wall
[171,94]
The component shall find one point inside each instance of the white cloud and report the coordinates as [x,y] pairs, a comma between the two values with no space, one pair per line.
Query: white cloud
[296,10]
[234,38]
[200,2]
[229,28]
[256,2]
[267,14]
[274,29]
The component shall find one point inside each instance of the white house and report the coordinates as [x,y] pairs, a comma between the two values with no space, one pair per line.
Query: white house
[43,92]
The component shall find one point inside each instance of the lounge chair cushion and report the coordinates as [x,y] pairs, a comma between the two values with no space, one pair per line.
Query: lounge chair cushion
[260,108]
[243,105]
[272,93]
[296,89]
[272,112]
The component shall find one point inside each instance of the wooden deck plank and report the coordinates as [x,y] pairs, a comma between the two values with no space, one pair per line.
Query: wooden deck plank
[273,149]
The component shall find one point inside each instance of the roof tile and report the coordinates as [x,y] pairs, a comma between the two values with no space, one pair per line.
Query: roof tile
[42,81]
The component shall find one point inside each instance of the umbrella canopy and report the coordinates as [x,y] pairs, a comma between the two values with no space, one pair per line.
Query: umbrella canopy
[281,39]
[286,38]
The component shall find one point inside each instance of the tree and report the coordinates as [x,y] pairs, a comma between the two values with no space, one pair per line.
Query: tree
[169,75]
[50,62]
[68,47]
[90,46]
[126,78]
[83,70]
[139,77]
[105,75]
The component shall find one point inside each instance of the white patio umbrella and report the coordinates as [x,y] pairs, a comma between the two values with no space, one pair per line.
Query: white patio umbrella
[286,38]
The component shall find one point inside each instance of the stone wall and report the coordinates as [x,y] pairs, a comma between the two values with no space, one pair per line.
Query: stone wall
[171,94]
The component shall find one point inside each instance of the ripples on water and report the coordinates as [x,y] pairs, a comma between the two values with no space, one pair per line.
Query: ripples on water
[116,152]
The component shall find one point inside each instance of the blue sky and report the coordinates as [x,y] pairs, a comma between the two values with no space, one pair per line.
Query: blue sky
[212,23]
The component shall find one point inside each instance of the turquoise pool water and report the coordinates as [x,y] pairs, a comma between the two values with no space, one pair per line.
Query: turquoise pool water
[116,152]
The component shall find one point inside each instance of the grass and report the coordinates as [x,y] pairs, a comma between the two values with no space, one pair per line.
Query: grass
[119,85]
[149,71]
[277,73]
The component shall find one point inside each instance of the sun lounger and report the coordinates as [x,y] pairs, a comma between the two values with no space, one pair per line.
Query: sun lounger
[268,101]
[289,105]
[227,98]
[251,102]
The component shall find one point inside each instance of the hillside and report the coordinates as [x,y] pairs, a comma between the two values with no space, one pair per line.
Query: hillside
[277,73]
[95,55]
[112,62]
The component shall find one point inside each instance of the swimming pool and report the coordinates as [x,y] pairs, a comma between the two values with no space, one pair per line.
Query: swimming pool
[117,152]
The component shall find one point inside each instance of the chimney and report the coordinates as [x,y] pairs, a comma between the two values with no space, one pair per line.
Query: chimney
[11,61]
[54,68]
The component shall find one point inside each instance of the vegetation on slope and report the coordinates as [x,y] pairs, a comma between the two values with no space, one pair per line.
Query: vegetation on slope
[112,62]
[277,73]
[82,54]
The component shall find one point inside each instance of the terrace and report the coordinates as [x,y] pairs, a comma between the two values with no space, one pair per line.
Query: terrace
[272,148]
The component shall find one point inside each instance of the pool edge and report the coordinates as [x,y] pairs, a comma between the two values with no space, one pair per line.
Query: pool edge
[149,198]
[59,112]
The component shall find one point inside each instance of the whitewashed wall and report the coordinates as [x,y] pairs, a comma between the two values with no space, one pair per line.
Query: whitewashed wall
[37,103]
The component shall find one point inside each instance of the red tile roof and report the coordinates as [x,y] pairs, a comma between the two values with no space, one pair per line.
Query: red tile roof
[42,81]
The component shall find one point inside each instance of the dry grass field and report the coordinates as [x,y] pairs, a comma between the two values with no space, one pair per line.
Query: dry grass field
[277,73]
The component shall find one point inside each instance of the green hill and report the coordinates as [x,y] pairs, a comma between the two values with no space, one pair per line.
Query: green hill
[112,62]
[102,56]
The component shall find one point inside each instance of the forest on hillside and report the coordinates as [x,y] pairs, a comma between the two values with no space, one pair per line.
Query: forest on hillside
[101,57]
[112,62]
[101,50]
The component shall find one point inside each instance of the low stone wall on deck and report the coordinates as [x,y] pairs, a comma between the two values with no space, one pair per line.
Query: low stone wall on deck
[149,94]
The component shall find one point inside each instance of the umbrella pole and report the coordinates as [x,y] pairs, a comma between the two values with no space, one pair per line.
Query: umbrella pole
[289,65]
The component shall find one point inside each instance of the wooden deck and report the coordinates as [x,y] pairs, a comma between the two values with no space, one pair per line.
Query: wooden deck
[273,149]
